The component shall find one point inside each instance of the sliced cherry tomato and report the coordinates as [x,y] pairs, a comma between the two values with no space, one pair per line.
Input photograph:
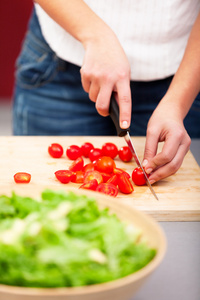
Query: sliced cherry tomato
[113,180]
[85,148]
[107,188]
[138,176]
[109,149]
[77,165]
[95,154]
[93,175]
[55,150]
[124,184]
[22,177]
[90,185]
[79,177]
[105,164]
[73,152]
[89,167]
[64,176]
[105,176]
[125,154]
[119,171]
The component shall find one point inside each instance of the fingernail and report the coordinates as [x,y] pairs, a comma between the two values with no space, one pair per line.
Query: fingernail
[124,124]
[145,162]
[152,181]
[148,171]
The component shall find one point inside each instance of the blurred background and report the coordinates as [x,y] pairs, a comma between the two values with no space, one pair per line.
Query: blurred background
[14,16]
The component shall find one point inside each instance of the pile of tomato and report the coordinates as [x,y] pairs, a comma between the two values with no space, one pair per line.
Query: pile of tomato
[101,173]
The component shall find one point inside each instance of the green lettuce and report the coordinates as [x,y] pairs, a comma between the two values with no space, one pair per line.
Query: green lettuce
[65,240]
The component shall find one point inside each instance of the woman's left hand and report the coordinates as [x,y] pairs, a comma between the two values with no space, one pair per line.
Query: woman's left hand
[165,125]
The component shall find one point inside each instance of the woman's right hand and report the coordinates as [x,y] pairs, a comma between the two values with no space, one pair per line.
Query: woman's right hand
[106,69]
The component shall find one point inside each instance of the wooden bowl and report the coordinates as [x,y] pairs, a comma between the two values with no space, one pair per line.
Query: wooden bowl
[121,289]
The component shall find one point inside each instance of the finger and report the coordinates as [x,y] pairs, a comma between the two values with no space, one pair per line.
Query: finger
[169,151]
[125,103]
[151,146]
[94,91]
[171,167]
[103,100]
[85,80]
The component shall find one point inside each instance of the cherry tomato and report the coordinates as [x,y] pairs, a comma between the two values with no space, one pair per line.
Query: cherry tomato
[95,154]
[108,189]
[109,149]
[124,184]
[93,175]
[77,165]
[55,150]
[79,177]
[138,176]
[113,180]
[85,148]
[105,176]
[90,185]
[22,177]
[73,152]
[105,164]
[88,167]
[125,154]
[64,176]
[119,171]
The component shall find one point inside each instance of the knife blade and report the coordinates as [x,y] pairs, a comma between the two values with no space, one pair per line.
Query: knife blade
[114,114]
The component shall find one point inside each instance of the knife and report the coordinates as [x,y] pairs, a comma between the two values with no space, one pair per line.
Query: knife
[114,114]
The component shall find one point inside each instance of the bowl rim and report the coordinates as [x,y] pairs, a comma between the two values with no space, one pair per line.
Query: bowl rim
[105,286]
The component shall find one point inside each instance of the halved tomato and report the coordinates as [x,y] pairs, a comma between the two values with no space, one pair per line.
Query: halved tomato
[105,176]
[90,185]
[64,176]
[93,175]
[118,171]
[79,177]
[88,167]
[22,177]
[107,188]
[124,184]
[105,164]
[77,165]
[113,180]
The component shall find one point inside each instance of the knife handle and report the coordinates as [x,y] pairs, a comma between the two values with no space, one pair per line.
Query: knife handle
[114,114]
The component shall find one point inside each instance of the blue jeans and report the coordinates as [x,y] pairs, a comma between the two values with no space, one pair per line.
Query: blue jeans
[49,98]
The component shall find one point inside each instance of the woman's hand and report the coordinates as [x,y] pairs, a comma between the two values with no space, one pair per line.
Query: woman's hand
[106,69]
[165,125]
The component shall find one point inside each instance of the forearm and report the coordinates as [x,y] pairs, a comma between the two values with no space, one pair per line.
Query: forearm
[76,18]
[186,83]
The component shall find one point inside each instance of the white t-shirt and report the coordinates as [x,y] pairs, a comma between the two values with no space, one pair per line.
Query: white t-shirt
[153,33]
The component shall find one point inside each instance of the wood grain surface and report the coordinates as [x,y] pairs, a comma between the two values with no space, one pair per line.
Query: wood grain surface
[179,194]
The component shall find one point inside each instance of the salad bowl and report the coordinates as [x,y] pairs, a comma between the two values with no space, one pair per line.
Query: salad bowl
[120,289]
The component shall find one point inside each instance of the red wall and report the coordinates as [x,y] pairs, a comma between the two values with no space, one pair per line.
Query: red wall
[14,17]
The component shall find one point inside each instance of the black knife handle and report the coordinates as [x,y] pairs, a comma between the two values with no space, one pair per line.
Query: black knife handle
[114,114]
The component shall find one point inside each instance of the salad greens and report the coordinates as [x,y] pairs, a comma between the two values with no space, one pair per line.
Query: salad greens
[65,240]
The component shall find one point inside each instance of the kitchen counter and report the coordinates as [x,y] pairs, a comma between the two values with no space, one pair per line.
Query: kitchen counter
[178,209]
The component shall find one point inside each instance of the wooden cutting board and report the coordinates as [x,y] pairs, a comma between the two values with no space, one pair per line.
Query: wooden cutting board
[179,195]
